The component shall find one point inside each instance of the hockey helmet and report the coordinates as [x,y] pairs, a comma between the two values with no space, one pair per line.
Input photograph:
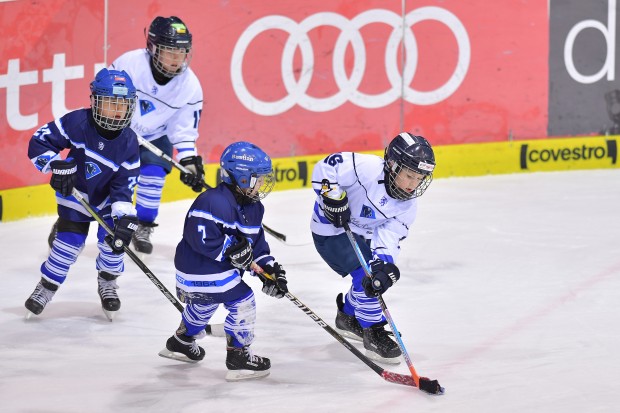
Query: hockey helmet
[169,42]
[413,153]
[113,99]
[248,170]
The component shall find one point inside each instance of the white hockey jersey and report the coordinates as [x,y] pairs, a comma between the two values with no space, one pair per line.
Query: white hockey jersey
[173,109]
[375,215]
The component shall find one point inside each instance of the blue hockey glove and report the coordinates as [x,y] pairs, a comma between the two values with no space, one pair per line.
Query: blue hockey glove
[384,275]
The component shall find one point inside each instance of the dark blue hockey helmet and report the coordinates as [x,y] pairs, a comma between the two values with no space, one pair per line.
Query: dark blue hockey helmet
[169,42]
[408,153]
[113,99]
[247,169]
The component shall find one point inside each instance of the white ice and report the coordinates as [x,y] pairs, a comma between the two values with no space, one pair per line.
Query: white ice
[509,296]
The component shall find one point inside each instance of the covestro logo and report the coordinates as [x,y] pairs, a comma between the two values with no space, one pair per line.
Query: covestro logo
[595,154]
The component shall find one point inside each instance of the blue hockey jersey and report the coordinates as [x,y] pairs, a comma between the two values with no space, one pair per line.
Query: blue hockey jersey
[107,169]
[203,273]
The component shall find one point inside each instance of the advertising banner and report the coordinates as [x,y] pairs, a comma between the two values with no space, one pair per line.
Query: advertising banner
[584,91]
[296,78]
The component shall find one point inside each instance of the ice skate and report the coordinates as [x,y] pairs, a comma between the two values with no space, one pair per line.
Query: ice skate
[242,364]
[141,238]
[347,325]
[380,346]
[183,348]
[42,294]
[110,303]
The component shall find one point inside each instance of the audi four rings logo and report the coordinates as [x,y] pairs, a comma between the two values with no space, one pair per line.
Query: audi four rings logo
[348,86]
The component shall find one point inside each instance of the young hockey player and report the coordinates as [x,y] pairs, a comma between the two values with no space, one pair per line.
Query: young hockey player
[102,164]
[377,198]
[223,238]
[170,106]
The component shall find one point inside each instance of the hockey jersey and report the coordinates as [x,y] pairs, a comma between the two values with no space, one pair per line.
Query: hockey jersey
[173,109]
[107,170]
[214,219]
[375,215]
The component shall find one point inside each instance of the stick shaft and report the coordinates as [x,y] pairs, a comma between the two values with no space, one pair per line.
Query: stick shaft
[386,312]
[77,195]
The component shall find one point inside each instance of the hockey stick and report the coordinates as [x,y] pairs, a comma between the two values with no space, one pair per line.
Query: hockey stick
[77,195]
[148,145]
[423,383]
[387,375]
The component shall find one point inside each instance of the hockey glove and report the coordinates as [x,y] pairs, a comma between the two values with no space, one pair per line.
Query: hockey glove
[124,228]
[337,210]
[63,176]
[276,285]
[195,178]
[384,274]
[240,254]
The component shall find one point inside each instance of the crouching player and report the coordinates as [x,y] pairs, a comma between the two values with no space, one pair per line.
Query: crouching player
[222,240]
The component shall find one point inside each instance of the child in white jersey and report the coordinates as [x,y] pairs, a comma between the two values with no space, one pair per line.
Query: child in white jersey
[377,198]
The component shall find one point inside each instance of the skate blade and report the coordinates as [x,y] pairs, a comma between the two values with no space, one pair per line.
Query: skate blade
[348,334]
[176,356]
[374,356]
[30,315]
[238,375]
[110,314]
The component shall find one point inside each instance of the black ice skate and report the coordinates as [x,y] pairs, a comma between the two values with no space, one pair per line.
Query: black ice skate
[107,292]
[183,348]
[141,238]
[242,364]
[379,345]
[42,294]
[347,325]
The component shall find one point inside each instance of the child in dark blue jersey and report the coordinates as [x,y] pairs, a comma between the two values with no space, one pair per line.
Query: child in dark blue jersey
[103,164]
[223,238]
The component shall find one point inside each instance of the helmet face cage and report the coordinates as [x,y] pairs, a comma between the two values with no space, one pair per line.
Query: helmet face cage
[169,43]
[408,154]
[113,99]
[112,113]
[397,192]
[246,167]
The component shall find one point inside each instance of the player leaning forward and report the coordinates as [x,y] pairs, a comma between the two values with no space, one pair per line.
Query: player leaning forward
[223,239]
[102,164]
[377,197]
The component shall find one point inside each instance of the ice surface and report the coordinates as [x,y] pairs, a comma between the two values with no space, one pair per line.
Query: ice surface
[509,296]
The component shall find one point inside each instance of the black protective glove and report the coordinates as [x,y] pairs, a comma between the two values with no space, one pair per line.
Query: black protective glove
[384,274]
[240,254]
[64,174]
[124,228]
[337,210]
[196,177]
[276,285]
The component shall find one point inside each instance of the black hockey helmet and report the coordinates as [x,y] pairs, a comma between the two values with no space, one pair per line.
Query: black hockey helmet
[414,153]
[172,35]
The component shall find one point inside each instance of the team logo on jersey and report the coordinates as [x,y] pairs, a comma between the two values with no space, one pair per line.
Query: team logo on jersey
[367,212]
[383,201]
[146,106]
[92,169]
[42,161]
[101,146]
[154,90]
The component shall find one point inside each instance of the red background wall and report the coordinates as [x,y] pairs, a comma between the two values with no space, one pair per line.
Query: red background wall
[503,92]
